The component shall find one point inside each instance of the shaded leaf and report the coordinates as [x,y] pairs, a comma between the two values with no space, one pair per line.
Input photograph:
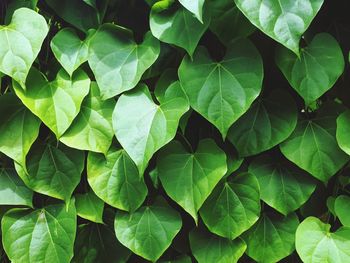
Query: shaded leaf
[89,206]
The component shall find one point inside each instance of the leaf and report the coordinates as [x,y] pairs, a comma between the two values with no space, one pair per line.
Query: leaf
[179,27]
[53,171]
[313,147]
[195,7]
[12,189]
[149,231]
[341,208]
[208,248]
[315,243]
[13,5]
[117,61]
[316,71]
[271,239]
[189,178]
[233,207]
[343,131]
[283,186]
[284,21]
[21,42]
[143,127]
[89,206]
[92,129]
[19,128]
[267,123]
[115,179]
[97,243]
[41,235]
[56,103]
[222,91]
[69,50]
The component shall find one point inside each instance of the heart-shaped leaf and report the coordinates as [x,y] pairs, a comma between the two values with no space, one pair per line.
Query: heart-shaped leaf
[149,231]
[342,208]
[195,7]
[56,103]
[143,127]
[266,124]
[89,206]
[178,26]
[282,185]
[69,50]
[233,207]
[21,42]
[318,68]
[222,91]
[189,178]
[117,61]
[41,235]
[283,20]
[343,131]
[92,129]
[116,180]
[315,243]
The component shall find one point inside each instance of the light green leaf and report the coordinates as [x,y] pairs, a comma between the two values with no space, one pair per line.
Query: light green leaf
[315,243]
[271,238]
[56,103]
[117,61]
[343,131]
[149,231]
[209,248]
[179,27]
[222,91]
[195,7]
[19,128]
[89,206]
[233,207]
[21,42]
[189,178]
[41,235]
[267,123]
[342,208]
[313,147]
[53,171]
[69,50]
[318,68]
[143,127]
[284,20]
[116,180]
[92,129]
[12,189]
[282,185]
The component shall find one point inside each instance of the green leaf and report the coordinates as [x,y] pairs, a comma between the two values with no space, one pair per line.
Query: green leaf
[53,171]
[318,68]
[149,231]
[209,248]
[92,129]
[115,179]
[21,42]
[69,50]
[13,5]
[195,7]
[267,123]
[233,207]
[189,178]
[342,208]
[56,103]
[283,186]
[222,91]
[12,189]
[89,206]
[313,146]
[19,128]
[143,127]
[315,243]
[41,235]
[271,239]
[343,131]
[97,243]
[284,20]
[117,61]
[179,27]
